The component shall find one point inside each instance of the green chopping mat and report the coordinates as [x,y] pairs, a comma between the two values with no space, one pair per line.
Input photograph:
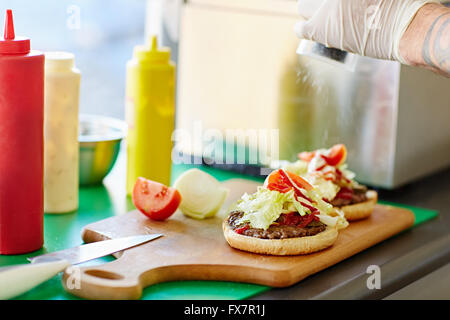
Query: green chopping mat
[97,203]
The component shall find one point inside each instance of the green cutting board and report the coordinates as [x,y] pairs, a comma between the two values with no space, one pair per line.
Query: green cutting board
[97,203]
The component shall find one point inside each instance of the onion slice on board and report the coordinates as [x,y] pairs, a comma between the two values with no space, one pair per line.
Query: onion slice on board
[202,195]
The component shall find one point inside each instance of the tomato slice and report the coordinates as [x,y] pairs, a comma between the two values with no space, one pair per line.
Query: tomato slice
[306,156]
[294,219]
[278,180]
[242,229]
[307,219]
[289,219]
[300,181]
[337,155]
[345,193]
[283,188]
[155,200]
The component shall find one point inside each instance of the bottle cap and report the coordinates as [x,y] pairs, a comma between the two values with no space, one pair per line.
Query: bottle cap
[59,60]
[10,44]
[152,53]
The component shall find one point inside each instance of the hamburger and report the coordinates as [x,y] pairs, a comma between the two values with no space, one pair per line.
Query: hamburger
[285,216]
[327,171]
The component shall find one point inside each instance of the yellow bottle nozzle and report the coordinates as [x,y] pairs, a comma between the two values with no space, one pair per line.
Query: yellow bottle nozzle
[152,53]
[154,43]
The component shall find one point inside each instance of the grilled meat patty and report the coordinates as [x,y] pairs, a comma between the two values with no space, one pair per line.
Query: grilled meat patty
[279,230]
[358,196]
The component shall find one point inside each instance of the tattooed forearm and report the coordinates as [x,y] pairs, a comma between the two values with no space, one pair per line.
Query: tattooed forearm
[436,46]
[426,41]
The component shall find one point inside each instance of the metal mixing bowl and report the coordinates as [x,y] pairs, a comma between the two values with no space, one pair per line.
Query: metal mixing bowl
[100,139]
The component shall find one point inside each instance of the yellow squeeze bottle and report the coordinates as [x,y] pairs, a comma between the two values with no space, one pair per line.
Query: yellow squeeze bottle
[150,114]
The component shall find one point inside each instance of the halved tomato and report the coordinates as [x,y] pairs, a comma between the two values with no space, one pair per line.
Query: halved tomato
[337,155]
[278,178]
[155,200]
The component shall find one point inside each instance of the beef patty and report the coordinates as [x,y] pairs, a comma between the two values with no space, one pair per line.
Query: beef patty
[358,196]
[275,231]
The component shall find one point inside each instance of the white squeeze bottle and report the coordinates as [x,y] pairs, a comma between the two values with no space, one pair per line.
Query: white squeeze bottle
[61,150]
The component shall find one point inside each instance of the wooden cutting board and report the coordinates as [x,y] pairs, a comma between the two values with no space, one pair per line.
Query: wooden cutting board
[196,250]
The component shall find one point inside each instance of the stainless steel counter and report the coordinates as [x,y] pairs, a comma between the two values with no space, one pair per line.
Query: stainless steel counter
[406,261]
[433,286]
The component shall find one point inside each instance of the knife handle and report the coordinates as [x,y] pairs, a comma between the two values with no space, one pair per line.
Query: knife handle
[19,279]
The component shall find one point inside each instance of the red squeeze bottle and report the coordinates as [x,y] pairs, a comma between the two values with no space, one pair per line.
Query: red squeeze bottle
[21,143]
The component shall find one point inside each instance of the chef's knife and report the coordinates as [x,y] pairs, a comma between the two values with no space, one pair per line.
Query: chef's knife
[15,280]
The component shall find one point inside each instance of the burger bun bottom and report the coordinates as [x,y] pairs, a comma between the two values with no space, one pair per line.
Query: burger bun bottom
[361,210]
[280,247]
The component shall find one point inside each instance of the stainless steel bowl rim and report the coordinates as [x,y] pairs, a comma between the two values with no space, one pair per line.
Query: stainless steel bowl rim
[118,128]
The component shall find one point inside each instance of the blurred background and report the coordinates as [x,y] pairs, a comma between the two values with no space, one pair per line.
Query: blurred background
[100,33]
[237,68]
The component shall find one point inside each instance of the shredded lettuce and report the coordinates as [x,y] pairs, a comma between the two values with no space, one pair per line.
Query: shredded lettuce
[264,207]
[326,188]
[335,219]
[323,206]
[349,175]
[298,167]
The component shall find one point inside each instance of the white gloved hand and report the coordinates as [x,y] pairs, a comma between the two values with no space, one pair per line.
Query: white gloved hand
[371,28]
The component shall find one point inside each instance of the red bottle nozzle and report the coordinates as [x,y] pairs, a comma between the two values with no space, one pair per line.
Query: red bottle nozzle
[10,44]
[9,26]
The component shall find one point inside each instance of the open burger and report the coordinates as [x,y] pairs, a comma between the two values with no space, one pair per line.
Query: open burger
[285,216]
[326,170]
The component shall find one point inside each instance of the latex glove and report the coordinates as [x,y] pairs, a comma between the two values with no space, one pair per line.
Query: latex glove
[371,28]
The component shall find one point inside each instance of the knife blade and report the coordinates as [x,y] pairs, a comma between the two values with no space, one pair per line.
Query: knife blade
[15,280]
[94,250]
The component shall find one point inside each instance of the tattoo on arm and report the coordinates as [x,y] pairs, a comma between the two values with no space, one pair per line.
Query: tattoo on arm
[436,46]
